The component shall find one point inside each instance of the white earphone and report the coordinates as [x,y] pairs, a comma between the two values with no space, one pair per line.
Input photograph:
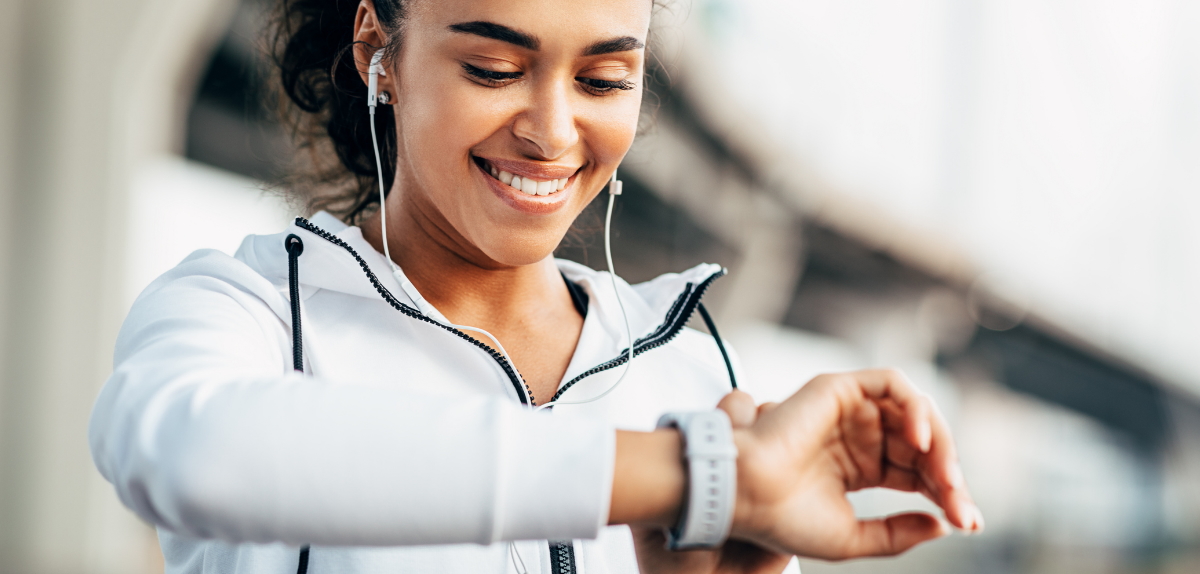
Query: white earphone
[373,72]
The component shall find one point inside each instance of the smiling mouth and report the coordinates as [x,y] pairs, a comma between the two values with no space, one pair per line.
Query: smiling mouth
[524,184]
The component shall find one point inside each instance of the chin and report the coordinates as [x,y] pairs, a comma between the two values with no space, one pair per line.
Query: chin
[517,249]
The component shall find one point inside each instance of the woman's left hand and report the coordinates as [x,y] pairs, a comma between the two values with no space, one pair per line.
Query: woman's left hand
[733,557]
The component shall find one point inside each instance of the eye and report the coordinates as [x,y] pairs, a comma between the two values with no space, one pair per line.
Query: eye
[600,87]
[490,77]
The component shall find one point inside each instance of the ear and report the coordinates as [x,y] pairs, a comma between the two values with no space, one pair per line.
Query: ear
[369,36]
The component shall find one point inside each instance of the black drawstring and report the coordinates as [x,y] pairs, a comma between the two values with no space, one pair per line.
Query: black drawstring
[303,568]
[295,247]
[712,329]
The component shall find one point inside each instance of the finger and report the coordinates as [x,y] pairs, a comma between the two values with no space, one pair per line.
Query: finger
[896,423]
[941,463]
[863,435]
[897,478]
[892,384]
[940,469]
[914,416]
[965,515]
[906,481]
[767,407]
[900,453]
[894,534]
[740,408]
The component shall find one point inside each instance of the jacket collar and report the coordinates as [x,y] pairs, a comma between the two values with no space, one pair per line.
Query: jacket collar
[328,262]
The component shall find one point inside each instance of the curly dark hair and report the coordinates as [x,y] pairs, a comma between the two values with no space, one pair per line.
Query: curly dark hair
[311,45]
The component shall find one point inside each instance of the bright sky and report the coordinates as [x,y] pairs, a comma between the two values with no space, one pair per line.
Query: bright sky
[1057,142]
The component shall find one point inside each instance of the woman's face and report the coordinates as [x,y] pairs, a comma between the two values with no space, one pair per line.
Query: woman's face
[511,116]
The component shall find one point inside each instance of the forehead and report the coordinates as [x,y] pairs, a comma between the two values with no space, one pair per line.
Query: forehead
[556,23]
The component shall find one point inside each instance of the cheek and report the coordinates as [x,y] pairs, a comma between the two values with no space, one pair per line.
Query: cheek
[610,127]
[609,130]
[440,122]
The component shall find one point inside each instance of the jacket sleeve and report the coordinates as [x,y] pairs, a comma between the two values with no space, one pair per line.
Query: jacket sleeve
[202,431]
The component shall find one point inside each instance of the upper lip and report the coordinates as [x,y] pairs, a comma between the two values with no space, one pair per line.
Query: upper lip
[532,170]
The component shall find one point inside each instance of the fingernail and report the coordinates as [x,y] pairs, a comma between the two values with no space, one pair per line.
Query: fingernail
[956,476]
[978,520]
[968,515]
[925,436]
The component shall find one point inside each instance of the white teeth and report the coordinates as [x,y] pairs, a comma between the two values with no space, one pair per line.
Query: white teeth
[527,185]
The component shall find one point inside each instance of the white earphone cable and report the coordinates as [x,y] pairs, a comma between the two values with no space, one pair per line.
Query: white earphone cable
[382,212]
[518,562]
[614,190]
[499,347]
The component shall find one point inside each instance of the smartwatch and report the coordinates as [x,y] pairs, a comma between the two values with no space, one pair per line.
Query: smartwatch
[711,459]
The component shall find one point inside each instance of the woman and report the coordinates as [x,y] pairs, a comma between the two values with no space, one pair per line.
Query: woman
[369,389]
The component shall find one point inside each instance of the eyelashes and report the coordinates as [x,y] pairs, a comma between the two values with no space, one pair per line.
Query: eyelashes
[490,76]
[604,85]
[497,79]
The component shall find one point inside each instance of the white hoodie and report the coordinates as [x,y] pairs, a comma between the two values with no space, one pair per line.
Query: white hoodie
[404,447]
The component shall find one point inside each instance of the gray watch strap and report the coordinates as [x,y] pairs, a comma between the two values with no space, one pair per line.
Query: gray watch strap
[711,455]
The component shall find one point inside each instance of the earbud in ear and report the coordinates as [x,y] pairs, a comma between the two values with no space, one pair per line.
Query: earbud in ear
[373,73]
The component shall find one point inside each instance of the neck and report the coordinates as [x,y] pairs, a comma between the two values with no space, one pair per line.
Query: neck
[457,278]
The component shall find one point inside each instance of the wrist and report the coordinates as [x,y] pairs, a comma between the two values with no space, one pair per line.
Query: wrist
[649,478]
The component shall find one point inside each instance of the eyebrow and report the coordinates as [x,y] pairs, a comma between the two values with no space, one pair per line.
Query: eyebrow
[615,45]
[498,32]
[503,33]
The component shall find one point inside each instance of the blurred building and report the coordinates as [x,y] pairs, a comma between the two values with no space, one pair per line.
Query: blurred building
[997,197]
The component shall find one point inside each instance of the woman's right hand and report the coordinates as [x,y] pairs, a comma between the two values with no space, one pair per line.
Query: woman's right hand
[838,434]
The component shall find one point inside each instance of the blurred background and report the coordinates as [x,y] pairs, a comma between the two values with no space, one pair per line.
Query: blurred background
[999,197]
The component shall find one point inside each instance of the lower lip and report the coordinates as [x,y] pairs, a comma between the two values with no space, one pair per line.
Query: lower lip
[521,201]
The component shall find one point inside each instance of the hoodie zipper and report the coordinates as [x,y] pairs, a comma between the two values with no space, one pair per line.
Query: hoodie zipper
[677,316]
[514,377]
[681,310]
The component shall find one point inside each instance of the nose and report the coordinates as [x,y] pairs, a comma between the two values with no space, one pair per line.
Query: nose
[548,123]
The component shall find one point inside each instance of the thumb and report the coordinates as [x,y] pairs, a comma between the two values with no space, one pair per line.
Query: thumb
[740,408]
[894,534]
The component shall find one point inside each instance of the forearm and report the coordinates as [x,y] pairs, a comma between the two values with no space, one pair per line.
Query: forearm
[305,461]
[648,478]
